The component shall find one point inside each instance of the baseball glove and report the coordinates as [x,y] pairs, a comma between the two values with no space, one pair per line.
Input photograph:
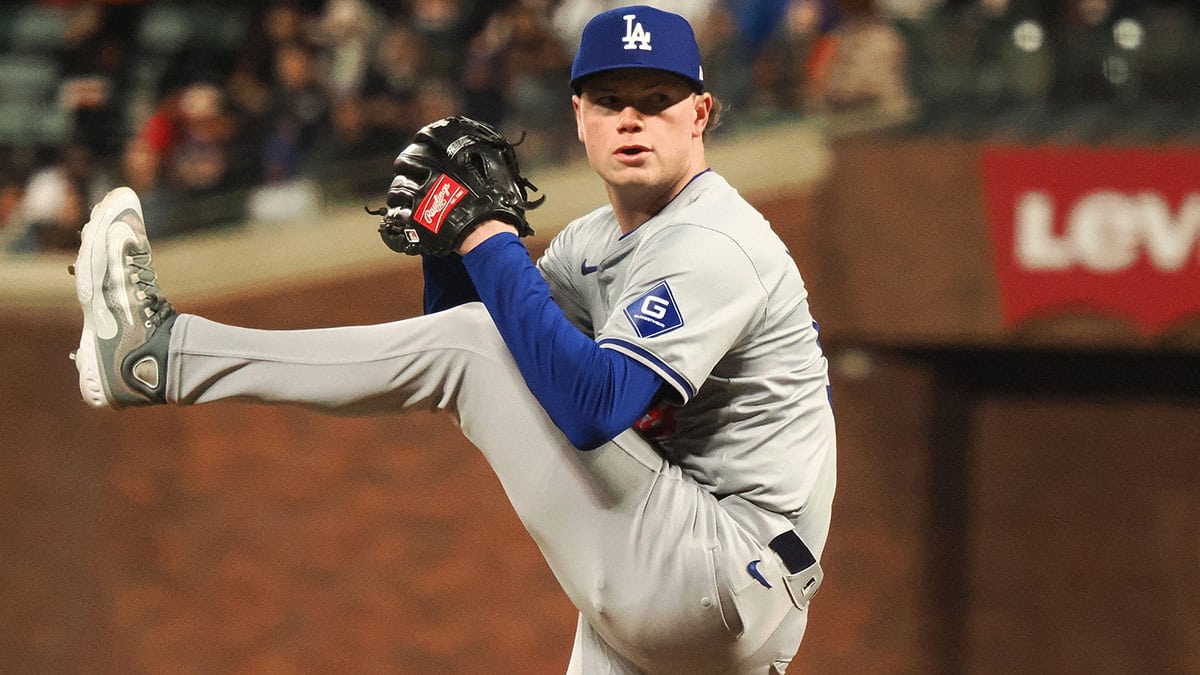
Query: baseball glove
[456,173]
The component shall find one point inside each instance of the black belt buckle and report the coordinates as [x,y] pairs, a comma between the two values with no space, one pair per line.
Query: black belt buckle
[804,575]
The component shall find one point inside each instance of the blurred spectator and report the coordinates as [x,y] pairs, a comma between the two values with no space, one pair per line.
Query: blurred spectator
[298,114]
[513,78]
[248,90]
[437,98]
[792,46]
[772,54]
[284,21]
[56,200]
[1087,58]
[140,166]
[251,82]
[1012,65]
[868,70]
[192,148]
[285,196]
[393,81]
[350,137]
[813,26]
[96,70]
[537,67]
[346,32]
[350,142]
[164,128]
[201,157]
[445,28]
[398,60]
[486,74]
[1171,54]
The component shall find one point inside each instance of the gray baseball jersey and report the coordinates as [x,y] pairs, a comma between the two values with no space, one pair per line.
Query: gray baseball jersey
[707,295]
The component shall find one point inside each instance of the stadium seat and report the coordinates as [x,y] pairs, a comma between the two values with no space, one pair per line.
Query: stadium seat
[37,28]
[28,78]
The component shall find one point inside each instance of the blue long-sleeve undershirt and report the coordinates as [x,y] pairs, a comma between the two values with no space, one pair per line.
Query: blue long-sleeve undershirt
[447,283]
[591,394]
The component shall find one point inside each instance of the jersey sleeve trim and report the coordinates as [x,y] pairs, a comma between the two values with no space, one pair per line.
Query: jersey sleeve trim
[676,380]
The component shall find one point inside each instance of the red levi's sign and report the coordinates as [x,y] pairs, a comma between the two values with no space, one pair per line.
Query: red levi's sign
[445,194]
[1103,232]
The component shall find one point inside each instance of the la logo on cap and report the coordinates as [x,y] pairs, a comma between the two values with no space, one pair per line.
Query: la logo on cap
[636,37]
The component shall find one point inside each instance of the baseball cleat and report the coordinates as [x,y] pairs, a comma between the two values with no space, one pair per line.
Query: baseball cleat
[122,354]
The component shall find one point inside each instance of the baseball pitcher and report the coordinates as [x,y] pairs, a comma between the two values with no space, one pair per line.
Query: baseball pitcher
[650,393]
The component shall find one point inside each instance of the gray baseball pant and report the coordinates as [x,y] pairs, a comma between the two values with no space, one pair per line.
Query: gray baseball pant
[654,563]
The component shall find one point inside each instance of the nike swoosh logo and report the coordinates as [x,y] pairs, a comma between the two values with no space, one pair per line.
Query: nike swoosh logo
[106,326]
[586,269]
[752,568]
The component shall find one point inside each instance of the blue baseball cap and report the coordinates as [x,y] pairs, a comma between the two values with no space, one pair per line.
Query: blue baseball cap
[638,37]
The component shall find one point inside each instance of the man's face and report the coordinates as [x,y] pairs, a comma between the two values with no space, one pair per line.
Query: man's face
[642,128]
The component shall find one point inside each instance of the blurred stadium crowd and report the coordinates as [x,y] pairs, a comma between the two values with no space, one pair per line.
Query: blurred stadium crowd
[222,112]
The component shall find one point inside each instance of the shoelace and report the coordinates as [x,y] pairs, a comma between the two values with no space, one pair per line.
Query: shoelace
[157,308]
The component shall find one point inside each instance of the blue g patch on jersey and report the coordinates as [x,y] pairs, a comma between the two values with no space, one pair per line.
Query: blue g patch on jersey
[654,312]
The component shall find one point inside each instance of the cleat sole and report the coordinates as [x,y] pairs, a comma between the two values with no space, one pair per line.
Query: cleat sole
[91,385]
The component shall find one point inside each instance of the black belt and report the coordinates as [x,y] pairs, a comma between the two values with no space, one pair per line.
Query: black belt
[804,575]
[792,550]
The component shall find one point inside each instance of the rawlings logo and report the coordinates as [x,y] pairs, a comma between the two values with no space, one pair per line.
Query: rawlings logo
[441,200]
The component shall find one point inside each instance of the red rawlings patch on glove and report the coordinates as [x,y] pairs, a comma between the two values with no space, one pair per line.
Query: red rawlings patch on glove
[439,202]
